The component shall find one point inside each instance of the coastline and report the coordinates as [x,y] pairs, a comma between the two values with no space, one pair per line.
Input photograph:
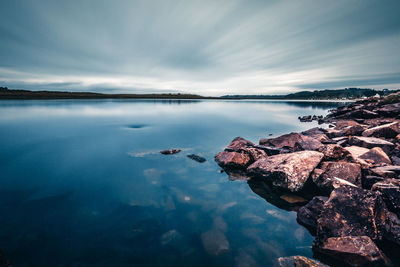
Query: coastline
[343,180]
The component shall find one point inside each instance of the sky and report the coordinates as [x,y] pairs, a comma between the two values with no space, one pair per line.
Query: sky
[206,47]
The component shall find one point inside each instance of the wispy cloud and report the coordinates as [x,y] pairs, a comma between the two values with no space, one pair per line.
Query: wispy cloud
[205,47]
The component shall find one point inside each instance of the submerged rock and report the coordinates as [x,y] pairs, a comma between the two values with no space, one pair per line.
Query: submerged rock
[196,158]
[353,250]
[287,171]
[299,261]
[170,151]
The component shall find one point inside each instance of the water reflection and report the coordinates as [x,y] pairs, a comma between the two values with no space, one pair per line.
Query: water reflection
[78,187]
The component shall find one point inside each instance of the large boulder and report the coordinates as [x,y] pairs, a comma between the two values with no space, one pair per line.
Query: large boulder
[390,130]
[334,152]
[293,141]
[390,189]
[352,250]
[336,174]
[370,142]
[233,160]
[317,133]
[238,144]
[288,171]
[309,213]
[356,152]
[352,211]
[299,261]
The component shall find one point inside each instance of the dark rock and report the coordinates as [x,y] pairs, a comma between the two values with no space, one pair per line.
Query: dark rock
[392,229]
[390,189]
[309,214]
[233,160]
[395,160]
[386,171]
[299,261]
[271,150]
[288,171]
[352,211]
[353,250]
[334,152]
[196,158]
[377,155]
[371,142]
[389,110]
[369,180]
[390,130]
[336,174]
[170,151]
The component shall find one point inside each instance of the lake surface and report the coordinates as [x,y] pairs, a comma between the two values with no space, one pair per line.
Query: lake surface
[82,183]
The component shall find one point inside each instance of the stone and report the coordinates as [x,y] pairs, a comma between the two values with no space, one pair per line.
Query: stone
[356,152]
[309,214]
[352,211]
[299,261]
[389,110]
[292,141]
[392,228]
[170,151]
[317,133]
[353,250]
[370,180]
[390,189]
[386,171]
[287,171]
[233,160]
[238,144]
[196,158]
[390,130]
[334,152]
[352,130]
[371,142]
[270,150]
[336,174]
[377,155]
[255,153]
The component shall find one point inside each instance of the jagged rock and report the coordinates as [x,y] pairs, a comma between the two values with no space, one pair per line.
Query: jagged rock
[370,142]
[299,261]
[233,160]
[288,171]
[170,151]
[386,171]
[196,158]
[390,130]
[390,189]
[293,141]
[309,214]
[336,174]
[352,211]
[353,250]
[377,155]
[352,130]
[334,152]
[238,144]
[255,153]
[356,152]
[317,133]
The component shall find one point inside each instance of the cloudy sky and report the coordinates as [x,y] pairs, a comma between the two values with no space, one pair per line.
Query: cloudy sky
[207,47]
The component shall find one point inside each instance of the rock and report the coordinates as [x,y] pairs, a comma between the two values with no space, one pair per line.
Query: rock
[299,261]
[336,174]
[353,250]
[390,189]
[255,153]
[288,171]
[392,228]
[352,130]
[352,211]
[292,141]
[238,144]
[170,151]
[395,160]
[309,214]
[293,199]
[215,242]
[369,181]
[271,150]
[390,130]
[196,158]
[377,155]
[361,114]
[389,110]
[371,142]
[317,133]
[356,152]
[233,160]
[334,152]
[386,171]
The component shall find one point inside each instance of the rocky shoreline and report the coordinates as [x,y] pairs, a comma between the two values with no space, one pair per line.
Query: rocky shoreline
[343,181]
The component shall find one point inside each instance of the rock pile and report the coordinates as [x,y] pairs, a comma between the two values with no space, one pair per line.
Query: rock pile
[349,173]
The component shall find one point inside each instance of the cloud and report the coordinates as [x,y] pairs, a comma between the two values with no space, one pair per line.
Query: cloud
[204,47]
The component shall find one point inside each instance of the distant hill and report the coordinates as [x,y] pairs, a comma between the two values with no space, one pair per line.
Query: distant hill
[328,94]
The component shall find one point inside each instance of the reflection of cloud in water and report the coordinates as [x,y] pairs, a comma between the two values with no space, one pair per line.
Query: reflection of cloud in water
[152,175]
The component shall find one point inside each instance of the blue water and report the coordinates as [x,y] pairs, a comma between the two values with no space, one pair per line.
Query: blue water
[82,184]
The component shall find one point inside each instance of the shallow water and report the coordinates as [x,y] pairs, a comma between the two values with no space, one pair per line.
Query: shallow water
[83,183]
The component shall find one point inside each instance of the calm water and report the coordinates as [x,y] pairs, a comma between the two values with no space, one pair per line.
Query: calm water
[82,183]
